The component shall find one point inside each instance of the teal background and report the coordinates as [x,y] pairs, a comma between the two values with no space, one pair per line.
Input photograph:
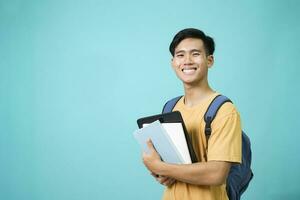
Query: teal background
[75,76]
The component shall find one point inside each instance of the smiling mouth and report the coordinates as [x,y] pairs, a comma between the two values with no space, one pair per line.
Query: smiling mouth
[189,71]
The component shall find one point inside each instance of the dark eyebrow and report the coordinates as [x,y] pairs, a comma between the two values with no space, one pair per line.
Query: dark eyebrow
[181,51]
[192,51]
[195,50]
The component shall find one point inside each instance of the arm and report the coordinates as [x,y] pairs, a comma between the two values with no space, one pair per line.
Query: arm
[224,149]
[202,173]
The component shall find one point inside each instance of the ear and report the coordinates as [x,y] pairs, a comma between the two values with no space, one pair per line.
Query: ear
[172,63]
[210,61]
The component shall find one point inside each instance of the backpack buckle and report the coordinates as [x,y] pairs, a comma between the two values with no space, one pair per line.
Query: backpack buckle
[207,130]
[207,126]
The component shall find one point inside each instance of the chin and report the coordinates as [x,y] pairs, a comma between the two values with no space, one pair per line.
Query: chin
[189,82]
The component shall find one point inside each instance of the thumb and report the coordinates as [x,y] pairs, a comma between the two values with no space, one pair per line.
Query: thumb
[150,145]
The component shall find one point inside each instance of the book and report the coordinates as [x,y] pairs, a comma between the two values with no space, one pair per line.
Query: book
[168,139]
[175,127]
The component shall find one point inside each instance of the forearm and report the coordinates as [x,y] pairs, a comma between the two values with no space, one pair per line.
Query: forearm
[202,173]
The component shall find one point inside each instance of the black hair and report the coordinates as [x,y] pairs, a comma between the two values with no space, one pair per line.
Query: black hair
[208,42]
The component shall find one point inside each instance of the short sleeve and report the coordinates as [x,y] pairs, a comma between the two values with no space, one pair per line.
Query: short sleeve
[225,142]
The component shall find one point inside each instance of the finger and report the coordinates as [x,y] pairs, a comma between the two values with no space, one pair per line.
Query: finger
[169,182]
[150,145]
[154,175]
[163,179]
[166,180]
[144,157]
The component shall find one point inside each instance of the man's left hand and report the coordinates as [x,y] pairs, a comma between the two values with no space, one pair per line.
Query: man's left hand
[152,160]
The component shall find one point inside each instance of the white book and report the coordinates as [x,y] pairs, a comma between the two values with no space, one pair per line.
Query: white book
[176,133]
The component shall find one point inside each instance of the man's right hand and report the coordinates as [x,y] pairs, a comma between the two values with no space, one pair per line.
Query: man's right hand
[167,181]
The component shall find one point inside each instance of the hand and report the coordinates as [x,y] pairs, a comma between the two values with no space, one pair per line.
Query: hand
[152,160]
[167,181]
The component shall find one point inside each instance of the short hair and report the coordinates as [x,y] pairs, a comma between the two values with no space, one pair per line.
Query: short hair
[208,42]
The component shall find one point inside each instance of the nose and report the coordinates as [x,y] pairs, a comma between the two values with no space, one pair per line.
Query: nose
[188,60]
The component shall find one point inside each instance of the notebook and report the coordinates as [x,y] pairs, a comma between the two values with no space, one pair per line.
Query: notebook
[161,140]
[174,125]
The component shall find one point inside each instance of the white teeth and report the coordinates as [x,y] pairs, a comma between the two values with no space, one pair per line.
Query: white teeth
[189,71]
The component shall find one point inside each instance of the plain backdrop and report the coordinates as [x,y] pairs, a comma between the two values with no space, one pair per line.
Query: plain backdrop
[76,75]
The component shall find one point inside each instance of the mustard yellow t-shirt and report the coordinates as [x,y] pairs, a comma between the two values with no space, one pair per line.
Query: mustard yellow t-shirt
[224,144]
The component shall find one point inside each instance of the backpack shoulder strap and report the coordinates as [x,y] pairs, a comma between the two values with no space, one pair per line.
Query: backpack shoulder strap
[212,110]
[168,107]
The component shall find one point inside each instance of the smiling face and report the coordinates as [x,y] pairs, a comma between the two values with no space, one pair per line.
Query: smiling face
[190,61]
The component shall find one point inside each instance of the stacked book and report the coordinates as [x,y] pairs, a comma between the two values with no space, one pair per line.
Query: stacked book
[169,137]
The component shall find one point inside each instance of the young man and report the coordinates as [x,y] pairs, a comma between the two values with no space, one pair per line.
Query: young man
[192,53]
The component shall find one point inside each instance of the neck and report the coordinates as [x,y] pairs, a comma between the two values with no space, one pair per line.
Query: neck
[193,94]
